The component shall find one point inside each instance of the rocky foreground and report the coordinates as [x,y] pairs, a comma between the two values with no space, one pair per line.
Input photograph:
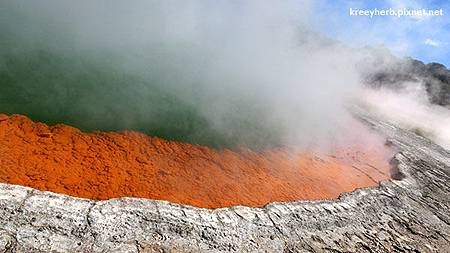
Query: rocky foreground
[410,214]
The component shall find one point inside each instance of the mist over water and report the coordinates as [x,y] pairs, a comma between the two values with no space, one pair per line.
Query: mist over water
[222,74]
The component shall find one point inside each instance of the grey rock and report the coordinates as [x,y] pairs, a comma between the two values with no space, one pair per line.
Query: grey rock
[407,214]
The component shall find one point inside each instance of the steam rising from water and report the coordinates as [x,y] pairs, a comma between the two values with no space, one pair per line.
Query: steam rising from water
[225,73]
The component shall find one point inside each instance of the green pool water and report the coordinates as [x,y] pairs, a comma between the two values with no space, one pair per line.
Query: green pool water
[47,74]
[91,93]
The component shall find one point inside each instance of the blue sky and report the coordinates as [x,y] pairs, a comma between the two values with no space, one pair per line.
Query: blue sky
[424,38]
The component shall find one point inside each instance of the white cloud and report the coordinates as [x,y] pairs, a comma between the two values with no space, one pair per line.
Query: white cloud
[433,43]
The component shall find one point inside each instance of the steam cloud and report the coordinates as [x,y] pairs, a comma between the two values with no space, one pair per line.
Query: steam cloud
[410,109]
[221,73]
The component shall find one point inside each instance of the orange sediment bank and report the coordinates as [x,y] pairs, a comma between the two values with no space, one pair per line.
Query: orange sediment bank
[102,165]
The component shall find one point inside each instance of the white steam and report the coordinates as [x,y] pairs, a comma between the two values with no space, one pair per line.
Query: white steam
[410,109]
[228,59]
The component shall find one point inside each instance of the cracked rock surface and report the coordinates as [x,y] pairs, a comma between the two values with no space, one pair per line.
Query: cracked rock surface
[410,214]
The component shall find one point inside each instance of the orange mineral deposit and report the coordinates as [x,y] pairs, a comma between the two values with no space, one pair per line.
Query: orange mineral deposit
[102,165]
